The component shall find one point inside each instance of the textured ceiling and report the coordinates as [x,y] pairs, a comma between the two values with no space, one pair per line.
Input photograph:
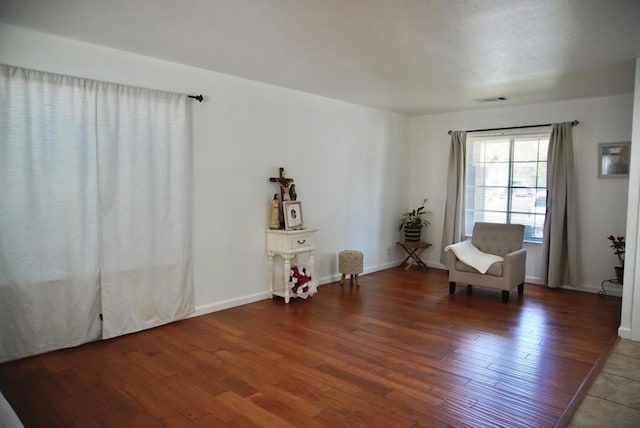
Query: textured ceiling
[408,56]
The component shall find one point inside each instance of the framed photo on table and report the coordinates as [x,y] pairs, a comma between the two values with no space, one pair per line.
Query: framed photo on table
[292,215]
[613,159]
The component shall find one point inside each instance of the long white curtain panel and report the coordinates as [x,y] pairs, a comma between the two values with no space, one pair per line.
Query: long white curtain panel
[49,267]
[145,208]
[95,210]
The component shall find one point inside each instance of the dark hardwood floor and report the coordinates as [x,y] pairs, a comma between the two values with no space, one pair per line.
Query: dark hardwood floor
[397,351]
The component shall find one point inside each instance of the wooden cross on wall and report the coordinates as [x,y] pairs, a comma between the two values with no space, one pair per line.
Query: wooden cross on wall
[284,184]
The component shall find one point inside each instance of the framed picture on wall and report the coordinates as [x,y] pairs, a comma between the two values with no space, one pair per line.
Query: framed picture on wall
[292,215]
[614,159]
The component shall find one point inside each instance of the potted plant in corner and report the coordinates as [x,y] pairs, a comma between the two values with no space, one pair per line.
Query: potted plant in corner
[412,222]
[618,245]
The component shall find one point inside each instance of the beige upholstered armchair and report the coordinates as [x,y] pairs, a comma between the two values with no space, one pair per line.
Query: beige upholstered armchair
[503,240]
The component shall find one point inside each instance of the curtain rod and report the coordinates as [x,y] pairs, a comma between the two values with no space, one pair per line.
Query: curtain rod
[573,123]
[199,97]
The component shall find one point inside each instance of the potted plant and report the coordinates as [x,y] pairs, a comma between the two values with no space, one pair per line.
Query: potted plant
[412,222]
[618,245]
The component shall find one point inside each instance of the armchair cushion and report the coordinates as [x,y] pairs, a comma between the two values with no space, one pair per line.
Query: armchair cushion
[494,270]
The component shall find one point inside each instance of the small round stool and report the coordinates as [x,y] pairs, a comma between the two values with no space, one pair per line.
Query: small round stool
[350,262]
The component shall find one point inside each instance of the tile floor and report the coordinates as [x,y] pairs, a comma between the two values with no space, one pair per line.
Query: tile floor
[614,398]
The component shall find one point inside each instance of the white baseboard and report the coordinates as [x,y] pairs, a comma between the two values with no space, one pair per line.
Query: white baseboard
[588,288]
[528,279]
[230,303]
[612,290]
[251,298]
[436,265]
[624,332]
[368,269]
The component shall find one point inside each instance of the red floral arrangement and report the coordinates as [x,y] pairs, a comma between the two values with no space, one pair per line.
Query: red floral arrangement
[297,280]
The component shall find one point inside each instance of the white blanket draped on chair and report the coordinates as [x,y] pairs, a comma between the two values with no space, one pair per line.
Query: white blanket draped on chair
[470,255]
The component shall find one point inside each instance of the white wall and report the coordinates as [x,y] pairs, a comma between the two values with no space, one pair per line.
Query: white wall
[356,168]
[630,313]
[602,202]
[349,162]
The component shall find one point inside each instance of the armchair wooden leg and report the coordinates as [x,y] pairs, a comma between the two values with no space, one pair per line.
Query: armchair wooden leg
[452,287]
[505,296]
[521,288]
[342,279]
[469,290]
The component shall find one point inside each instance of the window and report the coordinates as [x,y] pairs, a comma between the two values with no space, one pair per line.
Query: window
[506,181]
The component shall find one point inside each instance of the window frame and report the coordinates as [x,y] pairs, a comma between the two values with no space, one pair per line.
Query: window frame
[509,212]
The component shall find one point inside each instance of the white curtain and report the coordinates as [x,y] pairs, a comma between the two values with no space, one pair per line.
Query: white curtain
[453,229]
[145,207]
[49,268]
[94,210]
[560,236]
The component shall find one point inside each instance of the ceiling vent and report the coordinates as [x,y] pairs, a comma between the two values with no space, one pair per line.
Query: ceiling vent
[490,100]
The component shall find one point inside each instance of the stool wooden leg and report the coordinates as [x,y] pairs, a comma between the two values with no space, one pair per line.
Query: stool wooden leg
[357,285]
[342,279]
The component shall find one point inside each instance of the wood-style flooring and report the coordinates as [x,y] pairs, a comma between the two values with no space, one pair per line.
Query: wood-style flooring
[397,351]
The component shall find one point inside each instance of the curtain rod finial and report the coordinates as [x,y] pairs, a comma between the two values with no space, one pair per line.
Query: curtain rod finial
[200,98]
[450,132]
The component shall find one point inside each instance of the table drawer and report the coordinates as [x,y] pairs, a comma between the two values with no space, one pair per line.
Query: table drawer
[301,241]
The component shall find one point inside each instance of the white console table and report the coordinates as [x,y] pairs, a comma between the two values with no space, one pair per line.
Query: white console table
[288,244]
